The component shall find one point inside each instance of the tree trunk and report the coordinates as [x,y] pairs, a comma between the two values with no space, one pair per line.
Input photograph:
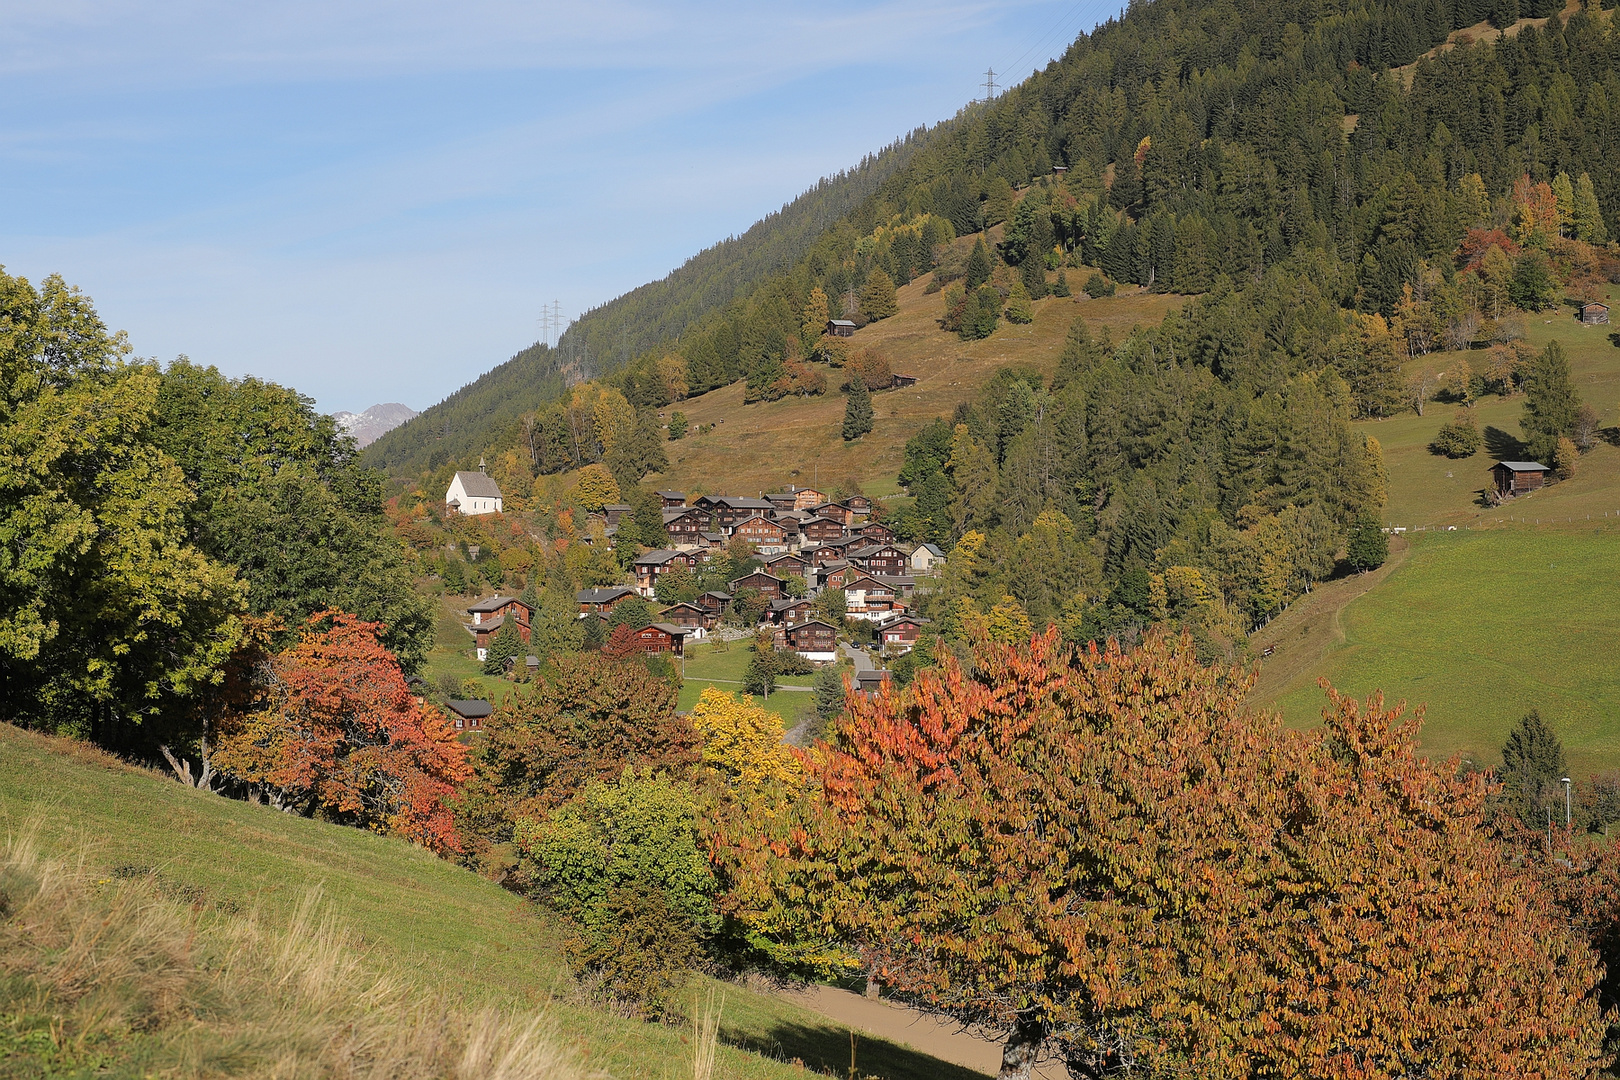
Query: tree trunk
[1018,1056]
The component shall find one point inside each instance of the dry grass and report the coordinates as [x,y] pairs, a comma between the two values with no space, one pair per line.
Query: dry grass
[116,976]
[798,440]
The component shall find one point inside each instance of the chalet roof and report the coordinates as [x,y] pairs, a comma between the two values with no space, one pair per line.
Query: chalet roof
[717,537]
[494,603]
[659,557]
[796,627]
[683,604]
[896,580]
[758,517]
[470,710]
[755,573]
[780,557]
[671,513]
[738,502]
[478,485]
[840,322]
[716,593]
[1523,466]
[669,628]
[867,552]
[1595,303]
[788,602]
[878,676]
[625,508]
[488,626]
[671,495]
[933,549]
[602,596]
[913,620]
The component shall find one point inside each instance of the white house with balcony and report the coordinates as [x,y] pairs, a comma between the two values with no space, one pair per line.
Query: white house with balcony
[473,493]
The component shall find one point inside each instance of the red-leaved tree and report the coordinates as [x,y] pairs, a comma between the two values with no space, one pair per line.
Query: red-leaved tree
[1108,856]
[337,731]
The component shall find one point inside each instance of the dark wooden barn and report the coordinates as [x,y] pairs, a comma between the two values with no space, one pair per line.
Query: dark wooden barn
[1517,477]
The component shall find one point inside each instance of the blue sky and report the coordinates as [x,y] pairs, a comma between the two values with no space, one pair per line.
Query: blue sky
[372,201]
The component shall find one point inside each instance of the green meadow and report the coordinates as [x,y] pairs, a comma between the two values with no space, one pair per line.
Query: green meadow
[446,931]
[1480,626]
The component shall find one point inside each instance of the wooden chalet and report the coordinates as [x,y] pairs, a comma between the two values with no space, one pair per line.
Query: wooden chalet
[865,597]
[671,499]
[713,602]
[1593,314]
[869,683]
[859,505]
[654,564]
[730,510]
[900,635]
[882,559]
[836,511]
[1518,477]
[877,532]
[840,328]
[784,564]
[789,610]
[768,537]
[760,581]
[601,601]
[835,573]
[814,640]
[782,500]
[709,541]
[614,511]
[691,616]
[467,715]
[898,380]
[503,607]
[685,525]
[661,637]
[807,498]
[819,530]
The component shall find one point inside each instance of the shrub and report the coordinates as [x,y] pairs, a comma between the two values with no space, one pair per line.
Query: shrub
[1458,439]
[980,314]
[622,861]
[1098,286]
[677,425]
[869,366]
[1368,547]
[1565,457]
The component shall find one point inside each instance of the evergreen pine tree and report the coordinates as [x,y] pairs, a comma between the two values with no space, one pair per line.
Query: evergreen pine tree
[1588,214]
[878,299]
[1532,766]
[981,315]
[1033,276]
[1060,287]
[858,412]
[978,265]
[506,645]
[1550,403]
[1080,355]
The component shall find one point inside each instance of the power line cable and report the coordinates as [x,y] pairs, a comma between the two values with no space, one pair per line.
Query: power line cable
[1057,28]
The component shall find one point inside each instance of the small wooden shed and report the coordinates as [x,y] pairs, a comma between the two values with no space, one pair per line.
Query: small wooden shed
[1518,477]
[840,328]
[1593,314]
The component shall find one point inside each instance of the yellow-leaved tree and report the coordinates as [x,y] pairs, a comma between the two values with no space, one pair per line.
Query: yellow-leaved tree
[743,741]
[596,487]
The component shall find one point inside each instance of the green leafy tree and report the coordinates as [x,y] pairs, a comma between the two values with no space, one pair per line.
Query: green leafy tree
[622,861]
[1532,767]
[978,265]
[857,411]
[830,605]
[507,644]
[760,677]
[1551,405]
[1368,546]
[677,426]
[632,611]
[111,617]
[281,496]
[1534,287]
[1458,439]
[878,300]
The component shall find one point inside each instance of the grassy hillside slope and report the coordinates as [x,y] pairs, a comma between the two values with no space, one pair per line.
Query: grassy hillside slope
[1515,609]
[448,931]
[797,440]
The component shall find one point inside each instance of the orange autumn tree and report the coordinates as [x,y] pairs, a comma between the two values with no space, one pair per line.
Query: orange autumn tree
[337,732]
[1108,856]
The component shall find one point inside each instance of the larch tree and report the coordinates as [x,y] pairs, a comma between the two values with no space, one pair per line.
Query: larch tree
[742,741]
[1107,858]
[1589,224]
[878,299]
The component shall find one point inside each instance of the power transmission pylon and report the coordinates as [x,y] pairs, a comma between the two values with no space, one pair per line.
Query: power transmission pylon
[990,87]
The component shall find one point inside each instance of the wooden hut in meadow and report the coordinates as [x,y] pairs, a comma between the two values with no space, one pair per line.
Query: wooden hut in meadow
[1518,477]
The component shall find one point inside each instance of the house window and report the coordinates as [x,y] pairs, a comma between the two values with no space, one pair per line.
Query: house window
[458,723]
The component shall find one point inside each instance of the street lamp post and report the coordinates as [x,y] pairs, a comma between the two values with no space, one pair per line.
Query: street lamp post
[1565,782]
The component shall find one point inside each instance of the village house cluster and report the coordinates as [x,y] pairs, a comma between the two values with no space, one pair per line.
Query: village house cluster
[795,533]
